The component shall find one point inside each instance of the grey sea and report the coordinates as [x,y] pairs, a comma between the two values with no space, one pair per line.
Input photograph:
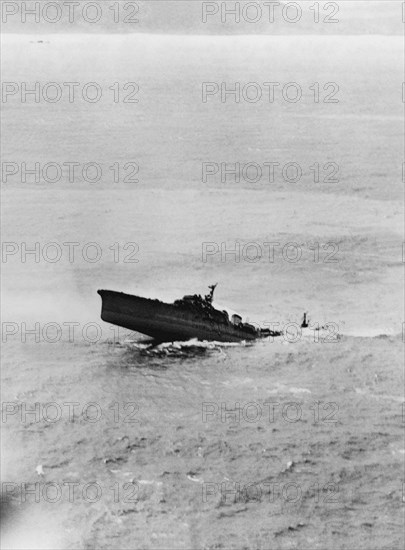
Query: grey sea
[295,442]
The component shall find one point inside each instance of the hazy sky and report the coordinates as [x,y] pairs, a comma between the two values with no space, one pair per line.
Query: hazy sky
[206,17]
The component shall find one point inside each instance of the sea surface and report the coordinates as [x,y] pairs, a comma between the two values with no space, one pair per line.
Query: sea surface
[151,234]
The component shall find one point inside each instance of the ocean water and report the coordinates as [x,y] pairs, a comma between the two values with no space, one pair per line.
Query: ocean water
[169,213]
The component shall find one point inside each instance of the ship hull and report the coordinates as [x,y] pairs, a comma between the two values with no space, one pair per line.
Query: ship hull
[166,322]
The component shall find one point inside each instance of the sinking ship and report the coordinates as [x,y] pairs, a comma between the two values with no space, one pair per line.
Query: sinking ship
[190,317]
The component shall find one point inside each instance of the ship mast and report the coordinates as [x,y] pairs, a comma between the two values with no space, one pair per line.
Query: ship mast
[209,297]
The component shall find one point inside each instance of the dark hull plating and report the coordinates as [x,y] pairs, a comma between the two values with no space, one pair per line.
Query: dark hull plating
[167,322]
